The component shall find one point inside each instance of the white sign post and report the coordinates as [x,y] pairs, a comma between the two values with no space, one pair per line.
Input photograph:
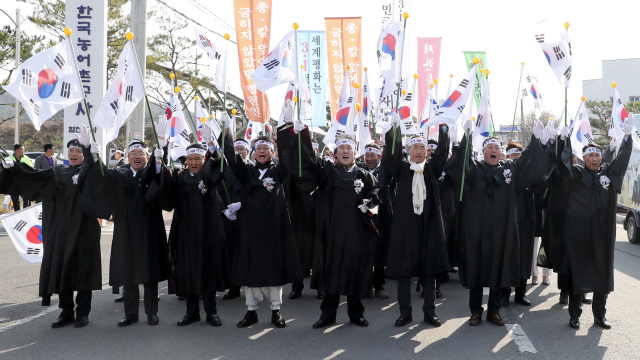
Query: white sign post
[87,20]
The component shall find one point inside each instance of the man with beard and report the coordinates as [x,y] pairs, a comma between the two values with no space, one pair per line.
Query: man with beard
[139,252]
[71,233]
[351,194]
[488,249]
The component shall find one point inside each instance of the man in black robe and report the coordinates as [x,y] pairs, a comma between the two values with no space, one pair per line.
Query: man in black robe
[197,247]
[71,232]
[351,196]
[266,257]
[139,252]
[417,246]
[488,250]
[586,257]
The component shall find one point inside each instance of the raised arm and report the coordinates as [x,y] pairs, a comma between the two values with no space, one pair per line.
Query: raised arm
[616,169]
[392,157]
[460,159]
[441,155]
[311,166]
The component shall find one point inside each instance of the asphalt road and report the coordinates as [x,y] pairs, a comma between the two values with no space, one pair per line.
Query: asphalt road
[538,332]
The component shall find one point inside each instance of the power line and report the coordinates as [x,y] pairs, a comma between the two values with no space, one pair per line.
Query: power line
[210,12]
[193,21]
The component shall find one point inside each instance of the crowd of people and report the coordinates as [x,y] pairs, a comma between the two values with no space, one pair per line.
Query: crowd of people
[413,209]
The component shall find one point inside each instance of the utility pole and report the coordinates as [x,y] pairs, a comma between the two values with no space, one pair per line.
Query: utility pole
[16,136]
[135,125]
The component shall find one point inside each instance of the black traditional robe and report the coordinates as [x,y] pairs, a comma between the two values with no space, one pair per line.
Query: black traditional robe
[232,194]
[266,253]
[590,223]
[348,266]
[139,252]
[417,245]
[488,248]
[197,246]
[70,229]
[302,212]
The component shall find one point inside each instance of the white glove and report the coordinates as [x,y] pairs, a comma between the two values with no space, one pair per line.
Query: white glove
[627,127]
[363,208]
[614,144]
[468,125]
[159,154]
[552,128]
[537,129]
[85,136]
[298,126]
[161,129]
[231,215]
[546,135]
[453,133]
[564,133]
[386,126]
[234,207]
[288,111]
[95,150]
[225,120]
[394,119]
[8,163]
[205,133]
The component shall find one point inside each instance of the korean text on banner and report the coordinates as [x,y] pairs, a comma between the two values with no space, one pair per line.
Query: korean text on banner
[312,54]
[428,68]
[253,30]
[482,66]
[343,48]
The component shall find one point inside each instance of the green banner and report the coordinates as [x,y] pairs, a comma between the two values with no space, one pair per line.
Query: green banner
[482,66]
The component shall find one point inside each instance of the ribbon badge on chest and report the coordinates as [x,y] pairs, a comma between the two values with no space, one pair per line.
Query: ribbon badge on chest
[358,185]
[604,181]
[74,179]
[507,176]
[262,172]
[268,183]
[203,189]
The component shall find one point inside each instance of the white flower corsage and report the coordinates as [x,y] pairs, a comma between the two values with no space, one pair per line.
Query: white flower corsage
[358,185]
[507,176]
[202,188]
[604,181]
[441,178]
[74,178]
[268,183]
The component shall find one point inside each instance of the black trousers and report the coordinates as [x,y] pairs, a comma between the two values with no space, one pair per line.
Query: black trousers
[520,290]
[598,306]
[208,300]
[378,277]
[82,304]
[475,300]
[330,304]
[16,201]
[404,294]
[297,286]
[132,299]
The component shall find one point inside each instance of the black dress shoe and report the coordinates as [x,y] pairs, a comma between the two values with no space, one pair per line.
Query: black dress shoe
[277,320]
[251,317]
[574,322]
[295,294]
[320,295]
[522,300]
[231,294]
[360,322]
[152,319]
[81,321]
[586,300]
[438,294]
[324,321]
[404,320]
[214,320]
[119,298]
[188,319]
[63,320]
[603,323]
[432,319]
[564,299]
[128,320]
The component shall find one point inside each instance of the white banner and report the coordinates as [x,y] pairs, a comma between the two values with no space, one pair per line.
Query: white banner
[25,230]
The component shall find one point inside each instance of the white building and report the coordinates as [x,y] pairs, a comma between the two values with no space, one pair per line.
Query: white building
[625,72]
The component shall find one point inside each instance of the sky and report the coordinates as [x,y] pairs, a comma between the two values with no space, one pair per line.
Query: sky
[504,29]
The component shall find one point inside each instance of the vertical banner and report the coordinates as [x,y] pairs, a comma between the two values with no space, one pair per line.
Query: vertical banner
[343,48]
[428,68]
[312,54]
[253,31]
[482,66]
[88,24]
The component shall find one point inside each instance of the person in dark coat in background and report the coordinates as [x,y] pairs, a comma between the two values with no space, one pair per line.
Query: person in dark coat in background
[351,193]
[417,246]
[139,252]
[588,245]
[230,191]
[488,250]
[71,233]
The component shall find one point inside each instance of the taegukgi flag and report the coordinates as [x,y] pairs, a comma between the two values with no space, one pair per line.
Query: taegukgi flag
[25,230]
[276,67]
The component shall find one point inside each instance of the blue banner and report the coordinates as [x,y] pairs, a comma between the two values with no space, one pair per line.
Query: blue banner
[312,54]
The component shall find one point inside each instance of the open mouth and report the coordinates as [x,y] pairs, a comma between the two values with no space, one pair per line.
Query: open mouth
[262,157]
[493,157]
[137,162]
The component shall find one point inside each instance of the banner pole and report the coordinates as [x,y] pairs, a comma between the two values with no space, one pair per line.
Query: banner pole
[516,108]
[406,16]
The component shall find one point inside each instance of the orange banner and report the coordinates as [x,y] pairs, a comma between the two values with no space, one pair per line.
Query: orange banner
[253,30]
[344,45]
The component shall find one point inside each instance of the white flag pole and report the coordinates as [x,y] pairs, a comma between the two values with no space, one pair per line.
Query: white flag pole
[405,16]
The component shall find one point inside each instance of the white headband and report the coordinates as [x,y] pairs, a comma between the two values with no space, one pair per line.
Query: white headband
[373,150]
[197,151]
[346,142]
[414,141]
[432,146]
[513,151]
[328,158]
[592,150]
[491,141]
[241,143]
[315,145]
[263,142]
[73,146]
[136,147]
[120,151]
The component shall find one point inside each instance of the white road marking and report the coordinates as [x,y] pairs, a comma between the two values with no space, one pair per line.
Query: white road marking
[335,353]
[399,335]
[260,333]
[332,328]
[521,339]
[388,306]
[342,303]
[29,319]
[15,348]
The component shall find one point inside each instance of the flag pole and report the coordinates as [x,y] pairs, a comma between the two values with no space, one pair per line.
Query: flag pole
[67,32]
[516,108]
[466,148]
[493,126]
[224,107]
[405,16]
[297,99]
